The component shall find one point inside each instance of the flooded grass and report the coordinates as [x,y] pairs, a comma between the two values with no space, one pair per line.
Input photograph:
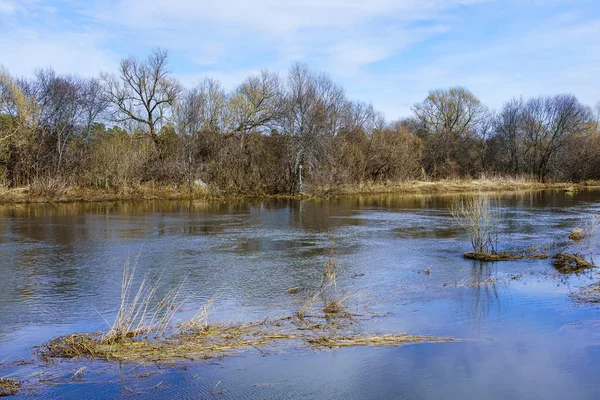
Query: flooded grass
[504,256]
[571,263]
[587,228]
[8,387]
[137,335]
[217,340]
[212,341]
[390,340]
[588,294]
[577,234]
[492,280]
[294,290]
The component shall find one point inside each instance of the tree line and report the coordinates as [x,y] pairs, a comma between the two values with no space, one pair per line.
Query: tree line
[273,132]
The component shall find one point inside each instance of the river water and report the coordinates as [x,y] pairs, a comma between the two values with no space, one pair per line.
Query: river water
[522,336]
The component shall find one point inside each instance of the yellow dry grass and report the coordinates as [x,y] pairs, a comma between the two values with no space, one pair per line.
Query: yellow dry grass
[8,387]
[62,193]
[390,340]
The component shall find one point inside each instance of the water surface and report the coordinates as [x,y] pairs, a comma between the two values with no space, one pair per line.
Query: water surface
[61,265]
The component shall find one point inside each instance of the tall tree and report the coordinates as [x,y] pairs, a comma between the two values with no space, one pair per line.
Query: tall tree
[548,124]
[449,120]
[143,93]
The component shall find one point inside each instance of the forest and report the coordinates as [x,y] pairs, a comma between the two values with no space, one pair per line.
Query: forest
[273,134]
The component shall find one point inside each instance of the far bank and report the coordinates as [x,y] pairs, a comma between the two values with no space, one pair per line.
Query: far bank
[63,194]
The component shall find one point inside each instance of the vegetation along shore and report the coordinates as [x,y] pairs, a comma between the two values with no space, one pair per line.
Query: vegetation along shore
[140,134]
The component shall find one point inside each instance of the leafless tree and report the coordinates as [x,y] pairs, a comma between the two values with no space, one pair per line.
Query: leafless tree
[448,120]
[256,104]
[311,115]
[548,123]
[506,127]
[62,102]
[143,93]
[94,103]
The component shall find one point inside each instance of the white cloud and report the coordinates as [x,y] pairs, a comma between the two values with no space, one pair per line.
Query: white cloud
[25,50]
[7,7]
[269,15]
[386,51]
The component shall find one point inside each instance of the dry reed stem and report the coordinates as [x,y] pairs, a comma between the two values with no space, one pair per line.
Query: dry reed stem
[140,313]
[480,220]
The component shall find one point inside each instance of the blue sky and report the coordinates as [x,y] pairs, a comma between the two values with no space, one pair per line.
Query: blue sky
[387,52]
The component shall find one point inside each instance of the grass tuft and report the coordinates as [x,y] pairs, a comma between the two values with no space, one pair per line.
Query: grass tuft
[139,312]
[8,387]
[505,256]
[570,263]
[390,340]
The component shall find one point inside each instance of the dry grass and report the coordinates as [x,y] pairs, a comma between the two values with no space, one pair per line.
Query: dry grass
[577,234]
[137,335]
[52,192]
[141,312]
[294,290]
[213,340]
[8,387]
[390,340]
[326,291]
[199,321]
[473,281]
[570,263]
[586,229]
[483,184]
[505,256]
[216,340]
[588,294]
[334,307]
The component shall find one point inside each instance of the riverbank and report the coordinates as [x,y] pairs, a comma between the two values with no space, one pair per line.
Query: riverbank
[66,194]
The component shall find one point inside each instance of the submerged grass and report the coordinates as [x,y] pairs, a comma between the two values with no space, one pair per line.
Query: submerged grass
[389,340]
[588,294]
[137,335]
[472,281]
[8,387]
[211,341]
[217,340]
[505,256]
[586,229]
[566,263]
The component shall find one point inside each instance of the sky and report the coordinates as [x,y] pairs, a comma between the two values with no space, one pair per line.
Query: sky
[390,53]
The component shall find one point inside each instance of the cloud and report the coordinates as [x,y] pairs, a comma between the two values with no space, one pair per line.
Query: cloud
[269,15]
[386,51]
[7,7]
[26,50]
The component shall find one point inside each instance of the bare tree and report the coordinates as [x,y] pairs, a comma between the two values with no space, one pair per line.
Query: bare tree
[62,103]
[94,103]
[506,128]
[548,123]
[311,115]
[143,94]
[199,115]
[448,121]
[201,109]
[256,104]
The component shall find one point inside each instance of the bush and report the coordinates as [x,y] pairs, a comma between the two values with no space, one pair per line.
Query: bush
[480,219]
